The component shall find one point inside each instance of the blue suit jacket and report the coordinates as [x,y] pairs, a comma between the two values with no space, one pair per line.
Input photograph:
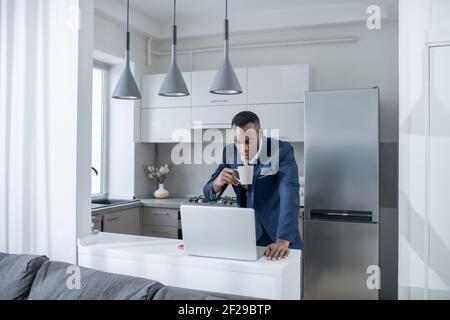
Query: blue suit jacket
[274,194]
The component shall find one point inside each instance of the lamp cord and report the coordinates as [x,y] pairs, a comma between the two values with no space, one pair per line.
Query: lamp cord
[128,26]
[226,9]
[174,12]
[128,15]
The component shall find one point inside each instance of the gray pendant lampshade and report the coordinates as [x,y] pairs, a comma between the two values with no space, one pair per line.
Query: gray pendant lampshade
[127,88]
[174,84]
[226,81]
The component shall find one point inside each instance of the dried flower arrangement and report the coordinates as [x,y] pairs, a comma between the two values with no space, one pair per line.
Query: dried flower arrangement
[158,174]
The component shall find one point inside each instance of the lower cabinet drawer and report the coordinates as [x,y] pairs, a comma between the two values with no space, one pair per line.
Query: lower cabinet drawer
[161,217]
[160,232]
[123,222]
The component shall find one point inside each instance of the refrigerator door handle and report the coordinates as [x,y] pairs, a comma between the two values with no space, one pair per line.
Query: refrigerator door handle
[347,214]
[337,215]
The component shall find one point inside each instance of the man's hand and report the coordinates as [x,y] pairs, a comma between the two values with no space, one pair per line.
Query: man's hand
[227,176]
[278,250]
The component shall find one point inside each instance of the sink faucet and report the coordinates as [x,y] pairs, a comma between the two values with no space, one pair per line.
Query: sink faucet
[95,170]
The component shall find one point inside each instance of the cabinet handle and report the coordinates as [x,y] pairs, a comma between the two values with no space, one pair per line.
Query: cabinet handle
[112,219]
[161,213]
[218,101]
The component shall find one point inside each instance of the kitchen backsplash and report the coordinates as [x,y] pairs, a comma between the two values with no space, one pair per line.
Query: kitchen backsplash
[189,179]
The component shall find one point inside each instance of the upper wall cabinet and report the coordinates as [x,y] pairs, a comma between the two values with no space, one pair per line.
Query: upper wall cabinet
[278,84]
[275,93]
[151,84]
[166,125]
[212,117]
[202,82]
[288,118]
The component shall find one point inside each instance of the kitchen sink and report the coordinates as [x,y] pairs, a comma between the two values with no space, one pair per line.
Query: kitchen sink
[110,202]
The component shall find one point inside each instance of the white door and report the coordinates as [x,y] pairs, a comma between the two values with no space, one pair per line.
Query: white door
[166,125]
[287,118]
[215,117]
[278,84]
[439,174]
[151,85]
[201,85]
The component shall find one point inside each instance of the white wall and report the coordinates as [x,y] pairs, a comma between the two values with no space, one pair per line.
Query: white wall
[46,72]
[84,123]
[120,178]
[371,61]
[126,158]
[421,22]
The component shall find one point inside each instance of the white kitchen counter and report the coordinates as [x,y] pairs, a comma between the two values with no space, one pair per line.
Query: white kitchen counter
[171,203]
[159,259]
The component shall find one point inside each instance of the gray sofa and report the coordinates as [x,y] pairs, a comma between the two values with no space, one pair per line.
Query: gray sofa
[27,277]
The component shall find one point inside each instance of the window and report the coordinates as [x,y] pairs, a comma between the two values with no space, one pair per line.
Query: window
[99,113]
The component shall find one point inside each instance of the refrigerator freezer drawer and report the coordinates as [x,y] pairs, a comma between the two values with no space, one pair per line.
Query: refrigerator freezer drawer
[336,258]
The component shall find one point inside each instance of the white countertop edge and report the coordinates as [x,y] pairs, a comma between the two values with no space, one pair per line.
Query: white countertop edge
[125,247]
[164,202]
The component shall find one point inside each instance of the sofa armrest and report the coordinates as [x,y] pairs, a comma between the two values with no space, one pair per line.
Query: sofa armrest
[17,273]
[57,281]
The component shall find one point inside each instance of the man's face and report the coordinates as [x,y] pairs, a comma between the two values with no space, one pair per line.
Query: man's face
[247,140]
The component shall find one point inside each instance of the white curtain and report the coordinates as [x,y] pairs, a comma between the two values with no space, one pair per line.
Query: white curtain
[38,127]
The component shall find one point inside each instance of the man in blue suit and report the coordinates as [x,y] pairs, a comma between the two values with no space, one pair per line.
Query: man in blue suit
[274,194]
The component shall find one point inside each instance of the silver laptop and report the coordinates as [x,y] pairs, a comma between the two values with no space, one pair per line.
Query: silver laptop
[220,232]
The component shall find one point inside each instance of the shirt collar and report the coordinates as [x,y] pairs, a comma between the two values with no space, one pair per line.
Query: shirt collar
[255,159]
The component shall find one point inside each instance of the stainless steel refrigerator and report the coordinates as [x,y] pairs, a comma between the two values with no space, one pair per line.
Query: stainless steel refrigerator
[341,227]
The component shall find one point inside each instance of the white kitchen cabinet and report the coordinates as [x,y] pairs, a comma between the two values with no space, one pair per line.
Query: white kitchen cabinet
[167,125]
[161,217]
[160,223]
[124,222]
[215,116]
[201,85]
[288,118]
[151,85]
[278,84]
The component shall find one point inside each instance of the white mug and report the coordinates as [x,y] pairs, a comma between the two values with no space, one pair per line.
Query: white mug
[245,175]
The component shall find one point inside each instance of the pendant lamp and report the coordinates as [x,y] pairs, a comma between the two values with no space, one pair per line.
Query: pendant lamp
[174,84]
[127,88]
[226,81]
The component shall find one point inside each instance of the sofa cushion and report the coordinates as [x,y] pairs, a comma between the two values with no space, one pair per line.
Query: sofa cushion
[17,273]
[171,293]
[58,281]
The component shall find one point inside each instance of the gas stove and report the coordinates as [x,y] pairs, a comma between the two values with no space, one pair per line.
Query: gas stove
[223,201]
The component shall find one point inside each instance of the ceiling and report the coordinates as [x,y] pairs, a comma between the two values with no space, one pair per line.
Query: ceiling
[196,18]
[162,10]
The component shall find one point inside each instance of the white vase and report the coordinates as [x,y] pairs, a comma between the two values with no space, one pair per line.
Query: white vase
[161,193]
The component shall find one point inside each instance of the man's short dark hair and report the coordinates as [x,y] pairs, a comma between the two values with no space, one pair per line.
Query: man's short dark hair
[244,118]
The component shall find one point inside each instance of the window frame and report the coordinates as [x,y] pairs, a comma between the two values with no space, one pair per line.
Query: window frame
[105,128]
